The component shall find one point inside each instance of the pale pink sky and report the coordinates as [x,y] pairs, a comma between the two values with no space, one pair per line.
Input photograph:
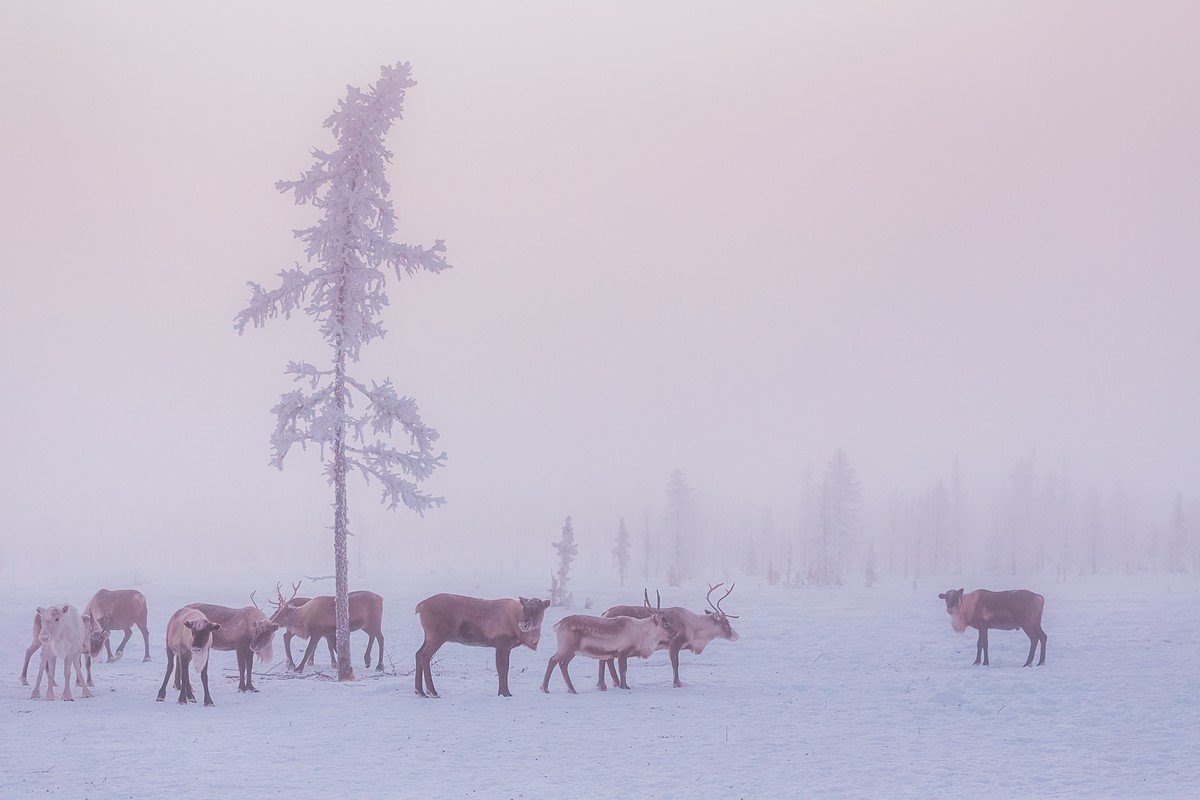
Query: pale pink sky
[722,237]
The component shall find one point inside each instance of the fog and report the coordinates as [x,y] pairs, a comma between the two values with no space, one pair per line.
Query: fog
[726,240]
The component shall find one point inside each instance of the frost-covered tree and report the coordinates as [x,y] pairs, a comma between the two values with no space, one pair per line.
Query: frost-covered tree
[621,551]
[350,255]
[566,549]
[839,518]
[680,523]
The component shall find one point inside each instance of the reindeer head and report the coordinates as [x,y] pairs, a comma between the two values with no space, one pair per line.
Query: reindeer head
[285,612]
[202,630]
[95,636]
[51,618]
[720,617]
[529,629]
[953,598]
[262,634]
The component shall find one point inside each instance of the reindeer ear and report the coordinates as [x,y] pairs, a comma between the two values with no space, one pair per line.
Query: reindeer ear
[66,608]
[523,600]
[960,591]
[706,611]
[942,596]
[187,624]
[41,610]
[212,626]
[545,604]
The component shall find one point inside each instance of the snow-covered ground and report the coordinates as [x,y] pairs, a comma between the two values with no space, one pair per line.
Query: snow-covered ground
[847,692]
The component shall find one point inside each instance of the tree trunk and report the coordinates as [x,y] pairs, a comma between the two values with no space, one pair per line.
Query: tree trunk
[341,563]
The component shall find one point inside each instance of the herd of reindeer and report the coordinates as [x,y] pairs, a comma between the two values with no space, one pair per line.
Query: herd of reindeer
[62,633]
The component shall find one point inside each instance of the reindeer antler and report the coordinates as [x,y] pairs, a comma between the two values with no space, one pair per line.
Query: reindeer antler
[728,592]
[253,601]
[280,602]
[646,598]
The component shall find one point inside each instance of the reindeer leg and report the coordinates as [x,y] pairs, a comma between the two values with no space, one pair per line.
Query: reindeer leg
[51,664]
[204,681]
[78,673]
[612,671]
[429,675]
[332,653]
[162,693]
[379,639]
[88,663]
[145,639]
[241,659]
[979,646]
[549,670]
[983,634]
[600,678]
[1034,638]
[502,654]
[562,666]
[182,673]
[287,648]
[1042,636]
[121,646]
[673,650]
[29,651]
[37,686]
[108,650]
[306,657]
[419,671]
[623,661]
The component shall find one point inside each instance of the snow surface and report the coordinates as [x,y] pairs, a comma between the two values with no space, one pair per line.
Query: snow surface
[835,692]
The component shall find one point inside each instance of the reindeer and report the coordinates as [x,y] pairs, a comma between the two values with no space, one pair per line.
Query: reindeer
[120,610]
[316,619]
[503,624]
[288,635]
[607,638]
[189,640]
[61,634]
[1006,611]
[93,641]
[245,630]
[692,631]
[92,644]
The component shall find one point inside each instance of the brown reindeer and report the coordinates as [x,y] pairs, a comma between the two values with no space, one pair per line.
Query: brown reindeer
[1006,611]
[288,636]
[503,624]
[244,630]
[607,638]
[189,640]
[692,631]
[120,610]
[93,642]
[316,619]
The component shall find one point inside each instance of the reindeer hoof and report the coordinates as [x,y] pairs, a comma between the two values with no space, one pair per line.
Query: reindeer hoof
[208,703]
[678,684]
[420,693]
[602,687]
[160,698]
[146,659]
[434,694]
[35,695]
[24,682]
[183,701]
